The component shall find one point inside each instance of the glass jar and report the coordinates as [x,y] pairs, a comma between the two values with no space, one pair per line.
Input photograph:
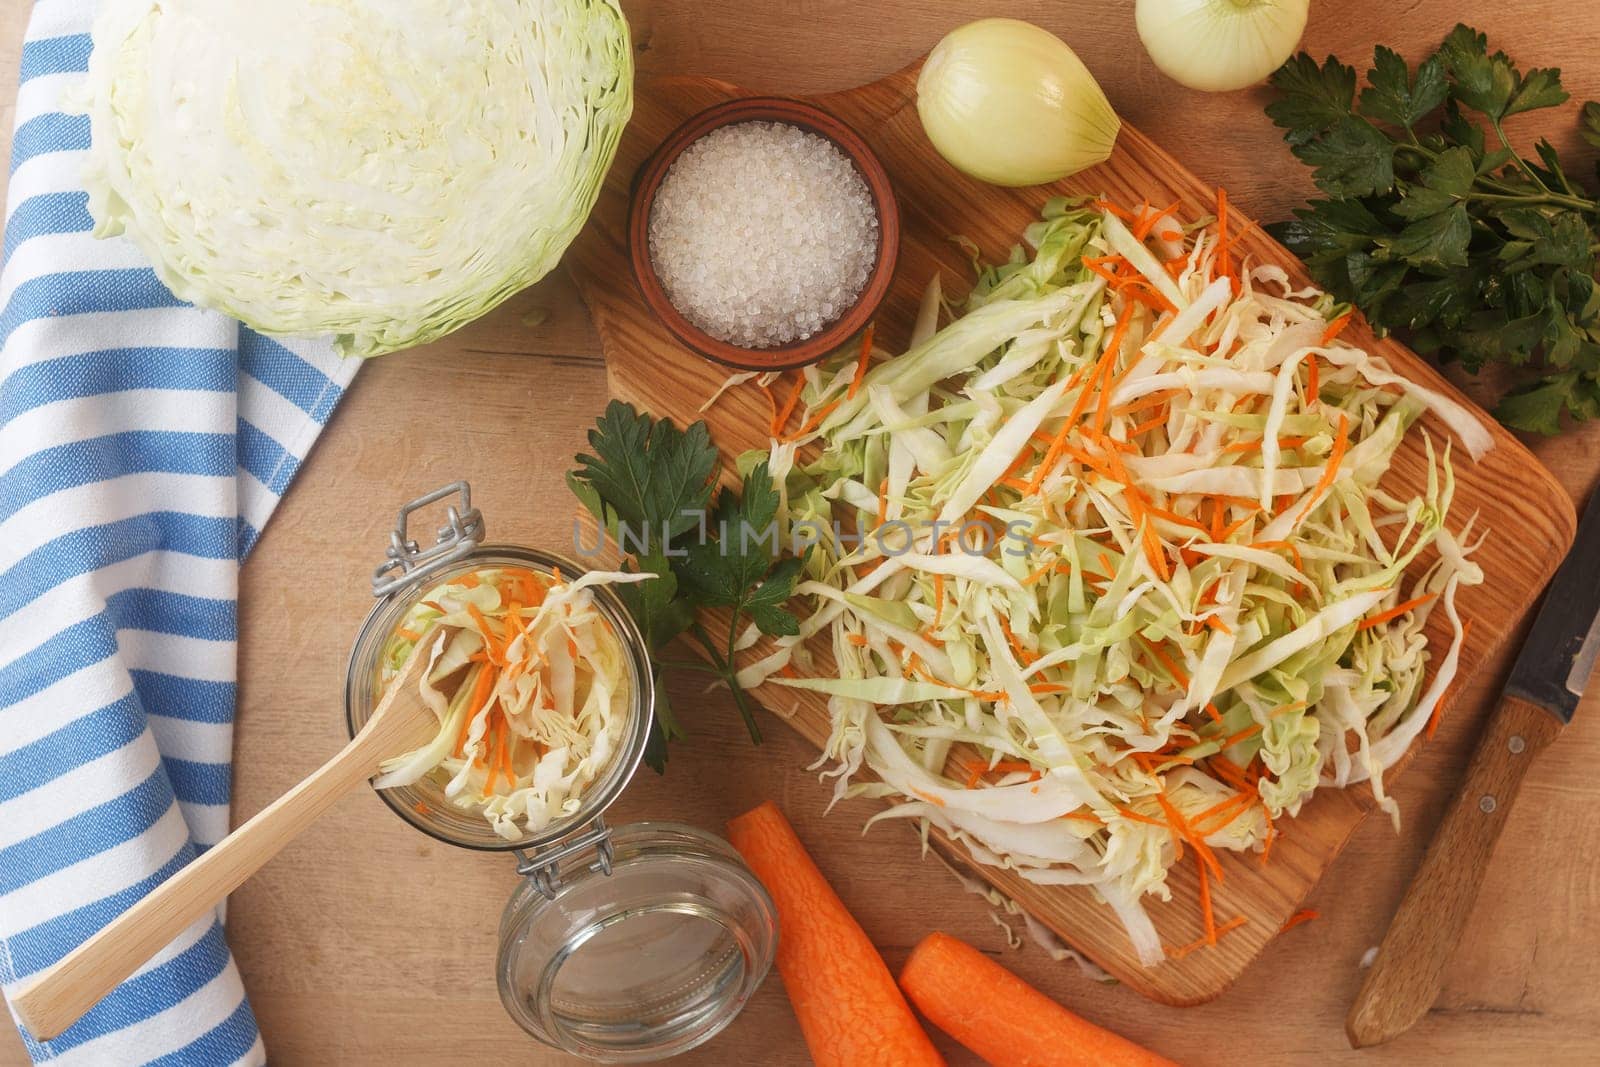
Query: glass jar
[620,944]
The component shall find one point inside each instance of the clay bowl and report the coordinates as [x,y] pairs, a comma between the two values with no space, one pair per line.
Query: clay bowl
[807,117]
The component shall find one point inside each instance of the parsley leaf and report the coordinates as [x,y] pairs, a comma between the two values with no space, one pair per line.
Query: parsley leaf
[1590,130]
[1479,80]
[650,485]
[1354,158]
[1313,98]
[654,476]
[1473,251]
[1393,95]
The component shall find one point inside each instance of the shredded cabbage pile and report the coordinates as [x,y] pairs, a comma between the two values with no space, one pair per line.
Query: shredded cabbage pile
[532,694]
[1129,578]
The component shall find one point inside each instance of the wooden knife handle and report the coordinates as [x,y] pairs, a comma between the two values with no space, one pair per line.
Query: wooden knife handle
[1405,978]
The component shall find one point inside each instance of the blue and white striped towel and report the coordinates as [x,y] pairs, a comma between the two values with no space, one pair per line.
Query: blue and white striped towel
[143,444]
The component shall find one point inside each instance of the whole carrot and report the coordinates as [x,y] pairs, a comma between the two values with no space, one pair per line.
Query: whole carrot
[1004,1019]
[850,1010]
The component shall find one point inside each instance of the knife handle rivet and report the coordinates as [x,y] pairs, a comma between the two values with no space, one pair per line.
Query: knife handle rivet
[1486,804]
[1516,744]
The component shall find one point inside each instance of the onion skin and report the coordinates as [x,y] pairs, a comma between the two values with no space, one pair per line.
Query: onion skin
[1218,46]
[1010,104]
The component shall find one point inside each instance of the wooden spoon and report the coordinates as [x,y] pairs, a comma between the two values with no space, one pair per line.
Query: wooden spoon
[58,996]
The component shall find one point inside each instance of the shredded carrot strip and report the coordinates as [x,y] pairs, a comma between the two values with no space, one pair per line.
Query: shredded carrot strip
[1208,915]
[1304,915]
[490,643]
[1255,446]
[1243,735]
[1226,928]
[813,422]
[1180,826]
[1145,403]
[1129,813]
[1224,256]
[1105,205]
[781,419]
[1084,816]
[409,635]
[859,640]
[861,364]
[1395,612]
[1218,808]
[1040,573]
[1450,691]
[938,595]
[1178,674]
[1148,223]
[1266,850]
[1016,646]
[883,500]
[480,697]
[1341,443]
[1154,422]
[493,763]
[1285,546]
[1335,328]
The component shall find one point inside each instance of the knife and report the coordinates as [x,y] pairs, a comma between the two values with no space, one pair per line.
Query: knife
[1540,695]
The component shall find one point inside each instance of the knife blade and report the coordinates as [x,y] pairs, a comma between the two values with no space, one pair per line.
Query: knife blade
[1558,657]
[1540,696]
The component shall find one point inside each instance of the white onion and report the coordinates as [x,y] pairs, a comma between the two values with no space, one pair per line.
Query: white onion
[1220,45]
[1009,103]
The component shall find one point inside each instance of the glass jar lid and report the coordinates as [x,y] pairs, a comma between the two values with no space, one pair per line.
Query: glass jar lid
[640,946]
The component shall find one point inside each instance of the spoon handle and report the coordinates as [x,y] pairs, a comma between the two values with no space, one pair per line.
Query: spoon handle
[61,994]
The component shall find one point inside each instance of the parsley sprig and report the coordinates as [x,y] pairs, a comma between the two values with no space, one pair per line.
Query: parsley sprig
[650,485]
[1474,251]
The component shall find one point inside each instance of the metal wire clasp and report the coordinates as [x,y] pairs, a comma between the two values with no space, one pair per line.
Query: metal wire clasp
[542,866]
[406,561]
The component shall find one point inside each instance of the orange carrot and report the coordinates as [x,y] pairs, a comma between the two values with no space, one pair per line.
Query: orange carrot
[861,364]
[480,696]
[813,422]
[850,1010]
[1227,927]
[1395,612]
[1224,258]
[1304,915]
[1341,442]
[1003,1019]
[1335,328]
[781,419]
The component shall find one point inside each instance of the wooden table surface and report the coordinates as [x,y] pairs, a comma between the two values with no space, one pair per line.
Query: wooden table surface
[367,943]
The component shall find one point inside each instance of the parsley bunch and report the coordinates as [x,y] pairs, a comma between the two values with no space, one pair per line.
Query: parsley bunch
[650,486]
[1475,252]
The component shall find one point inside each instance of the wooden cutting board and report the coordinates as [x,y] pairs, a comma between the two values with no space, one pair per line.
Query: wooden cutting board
[1527,510]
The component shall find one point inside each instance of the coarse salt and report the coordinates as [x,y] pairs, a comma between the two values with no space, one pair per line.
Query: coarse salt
[762,234]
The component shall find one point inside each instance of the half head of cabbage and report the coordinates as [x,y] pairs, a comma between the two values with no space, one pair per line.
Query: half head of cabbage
[381,170]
